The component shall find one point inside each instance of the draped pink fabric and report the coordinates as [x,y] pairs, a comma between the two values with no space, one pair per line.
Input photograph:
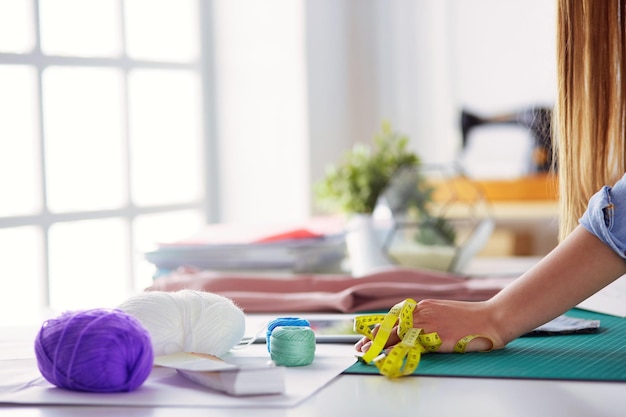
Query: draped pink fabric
[266,293]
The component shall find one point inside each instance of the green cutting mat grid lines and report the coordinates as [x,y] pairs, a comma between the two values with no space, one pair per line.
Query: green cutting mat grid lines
[598,356]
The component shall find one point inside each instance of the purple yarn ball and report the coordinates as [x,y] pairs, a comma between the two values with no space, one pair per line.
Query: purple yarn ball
[99,350]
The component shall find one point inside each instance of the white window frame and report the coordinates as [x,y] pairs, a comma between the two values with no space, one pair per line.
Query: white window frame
[206,204]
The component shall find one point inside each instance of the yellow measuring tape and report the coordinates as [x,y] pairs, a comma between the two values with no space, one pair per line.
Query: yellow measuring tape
[405,356]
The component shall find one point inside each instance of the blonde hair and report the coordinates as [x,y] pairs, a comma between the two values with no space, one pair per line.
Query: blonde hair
[590,110]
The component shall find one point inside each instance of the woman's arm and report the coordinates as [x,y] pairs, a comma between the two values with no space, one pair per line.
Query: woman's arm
[580,266]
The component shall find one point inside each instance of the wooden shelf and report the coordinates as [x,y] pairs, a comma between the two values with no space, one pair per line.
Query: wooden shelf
[540,187]
[525,210]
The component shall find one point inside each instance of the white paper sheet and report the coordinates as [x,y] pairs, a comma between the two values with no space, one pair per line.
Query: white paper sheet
[21,383]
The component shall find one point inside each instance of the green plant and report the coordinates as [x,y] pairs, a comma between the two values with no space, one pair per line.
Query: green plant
[355,185]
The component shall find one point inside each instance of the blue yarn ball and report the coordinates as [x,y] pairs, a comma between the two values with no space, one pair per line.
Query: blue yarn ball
[283,321]
[98,350]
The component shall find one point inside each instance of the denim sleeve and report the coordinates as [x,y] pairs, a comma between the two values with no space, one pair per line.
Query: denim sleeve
[605,216]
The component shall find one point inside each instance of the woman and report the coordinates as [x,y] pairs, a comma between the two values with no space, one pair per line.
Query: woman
[590,147]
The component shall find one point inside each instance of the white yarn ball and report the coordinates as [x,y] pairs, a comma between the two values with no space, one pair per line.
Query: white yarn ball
[188,321]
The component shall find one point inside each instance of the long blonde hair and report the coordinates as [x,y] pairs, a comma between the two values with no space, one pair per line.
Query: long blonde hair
[590,109]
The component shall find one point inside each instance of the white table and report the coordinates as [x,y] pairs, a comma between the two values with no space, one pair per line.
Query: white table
[375,395]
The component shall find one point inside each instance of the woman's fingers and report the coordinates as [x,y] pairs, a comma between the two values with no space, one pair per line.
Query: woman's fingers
[365,343]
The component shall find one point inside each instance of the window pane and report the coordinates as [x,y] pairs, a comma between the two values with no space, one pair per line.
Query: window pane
[16,26]
[162,29]
[21,266]
[80,28]
[156,228]
[84,139]
[19,147]
[88,264]
[165,136]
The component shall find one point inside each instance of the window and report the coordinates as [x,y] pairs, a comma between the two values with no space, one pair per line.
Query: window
[103,146]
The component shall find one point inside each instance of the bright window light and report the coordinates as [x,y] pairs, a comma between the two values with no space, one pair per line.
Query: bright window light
[20,263]
[16,26]
[101,152]
[164,127]
[89,264]
[162,30]
[83,134]
[91,29]
[19,148]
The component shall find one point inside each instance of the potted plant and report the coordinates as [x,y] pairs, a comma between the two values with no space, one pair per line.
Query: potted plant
[355,185]
[368,173]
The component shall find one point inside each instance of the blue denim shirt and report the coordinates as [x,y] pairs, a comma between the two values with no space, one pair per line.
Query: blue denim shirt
[605,216]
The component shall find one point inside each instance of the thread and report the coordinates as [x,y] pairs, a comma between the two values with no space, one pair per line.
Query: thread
[292,345]
[247,341]
[188,321]
[283,321]
[97,350]
[290,341]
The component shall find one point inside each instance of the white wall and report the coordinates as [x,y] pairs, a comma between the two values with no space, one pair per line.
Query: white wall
[300,81]
[261,121]
[503,53]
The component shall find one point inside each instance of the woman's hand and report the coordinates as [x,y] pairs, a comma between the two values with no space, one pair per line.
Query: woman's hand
[452,320]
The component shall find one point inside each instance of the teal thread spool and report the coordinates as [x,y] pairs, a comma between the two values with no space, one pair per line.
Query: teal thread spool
[292,345]
[283,321]
[290,341]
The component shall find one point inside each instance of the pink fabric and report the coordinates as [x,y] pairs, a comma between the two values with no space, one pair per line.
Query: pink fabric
[262,293]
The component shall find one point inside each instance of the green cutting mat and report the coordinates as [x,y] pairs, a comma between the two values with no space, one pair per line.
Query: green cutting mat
[598,356]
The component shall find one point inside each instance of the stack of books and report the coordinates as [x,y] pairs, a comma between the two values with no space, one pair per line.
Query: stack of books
[317,246]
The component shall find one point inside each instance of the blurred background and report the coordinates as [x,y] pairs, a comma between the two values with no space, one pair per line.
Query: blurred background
[129,122]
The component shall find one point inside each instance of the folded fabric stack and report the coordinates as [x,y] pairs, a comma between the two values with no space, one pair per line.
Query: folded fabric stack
[263,293]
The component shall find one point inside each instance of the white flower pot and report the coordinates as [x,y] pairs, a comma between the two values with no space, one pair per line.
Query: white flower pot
[364,246]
